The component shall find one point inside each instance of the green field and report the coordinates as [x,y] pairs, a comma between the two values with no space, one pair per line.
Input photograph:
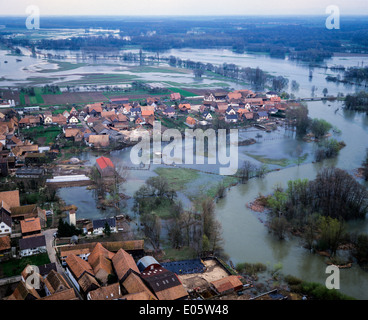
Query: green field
[15,267]
[178,177]
[42,135]
[278,162]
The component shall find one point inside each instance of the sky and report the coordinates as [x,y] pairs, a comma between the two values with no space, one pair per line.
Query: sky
[182,7]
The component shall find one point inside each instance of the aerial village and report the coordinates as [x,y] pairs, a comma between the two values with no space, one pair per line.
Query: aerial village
[100,269]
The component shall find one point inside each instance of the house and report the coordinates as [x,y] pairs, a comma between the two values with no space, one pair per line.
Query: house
[234,96]
[228,284]
[100,261]
[68,294]
[147,111]
[82,253]
[101,129]
[73,112]
[175,96]
[24,292]
[107,114]
[169,112]
[184,107]
[80,273]
[135,289]
[5,220]
[231,118]
[221,107]
[220,95]
[230,111]
[94,109]
[164,284]
[207,116]
[99,140]
[30,227]
[261,115]
[209,97]
[11,198]
[110,292]
[105,167]
[74,134]
[47,119]
[72,119]
[32,245]
[99,225]
[59,119]
[54,283]
[66,114]
[248,116]
[124,264]
[190,122]
[5,247]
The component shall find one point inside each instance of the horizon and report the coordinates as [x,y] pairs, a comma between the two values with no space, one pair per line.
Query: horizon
[182,7]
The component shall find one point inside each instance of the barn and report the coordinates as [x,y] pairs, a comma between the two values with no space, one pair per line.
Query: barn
[105,167]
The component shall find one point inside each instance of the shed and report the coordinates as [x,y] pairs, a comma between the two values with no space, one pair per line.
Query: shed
[147,263]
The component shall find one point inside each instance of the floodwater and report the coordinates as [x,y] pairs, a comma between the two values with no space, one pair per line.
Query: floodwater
[246,239]
[16,72]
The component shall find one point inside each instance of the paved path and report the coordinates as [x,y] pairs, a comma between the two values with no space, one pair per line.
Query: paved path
[49,235]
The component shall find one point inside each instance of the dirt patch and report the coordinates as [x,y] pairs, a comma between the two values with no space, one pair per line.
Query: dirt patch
[214,272]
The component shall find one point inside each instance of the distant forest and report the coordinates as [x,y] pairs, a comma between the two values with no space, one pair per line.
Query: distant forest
[304,38]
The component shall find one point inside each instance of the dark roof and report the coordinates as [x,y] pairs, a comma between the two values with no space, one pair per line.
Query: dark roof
[185,266]
[169,110]
[262,114]
[100,223]
[6,218]
[138,109]
[160,279]
[231,116]
[46,268]
[32,242]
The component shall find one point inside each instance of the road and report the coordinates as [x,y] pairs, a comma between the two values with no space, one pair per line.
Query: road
[49,235]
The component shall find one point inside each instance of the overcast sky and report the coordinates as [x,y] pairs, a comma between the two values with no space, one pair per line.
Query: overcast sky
[182,7]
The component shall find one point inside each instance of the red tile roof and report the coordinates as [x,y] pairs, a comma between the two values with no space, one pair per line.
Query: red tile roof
[104,162]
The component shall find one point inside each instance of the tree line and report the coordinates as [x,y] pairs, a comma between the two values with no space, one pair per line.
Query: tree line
[318,209]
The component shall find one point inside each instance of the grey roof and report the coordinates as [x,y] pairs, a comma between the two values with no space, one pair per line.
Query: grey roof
[169,110]
[32,242]
[146,262]
[100,223]
[262,114]
[29,170]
